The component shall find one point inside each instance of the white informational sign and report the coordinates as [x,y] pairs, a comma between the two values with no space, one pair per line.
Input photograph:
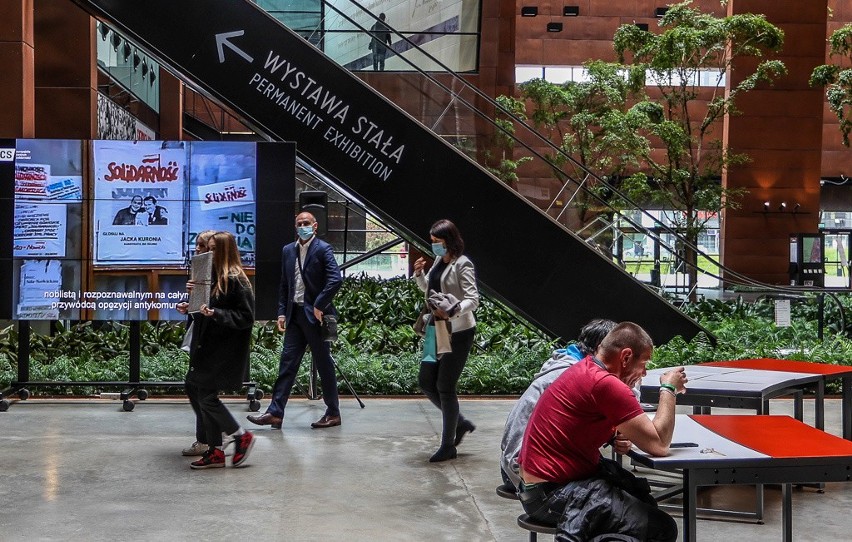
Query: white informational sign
[41,282]
[782,312]
[65,188]
[138,209]
[227,195]
[39,230]
[31,181]
[222,176]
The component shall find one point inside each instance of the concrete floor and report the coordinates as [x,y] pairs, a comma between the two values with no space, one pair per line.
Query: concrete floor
[86,470]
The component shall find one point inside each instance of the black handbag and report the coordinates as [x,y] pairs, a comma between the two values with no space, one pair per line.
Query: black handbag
[328,328]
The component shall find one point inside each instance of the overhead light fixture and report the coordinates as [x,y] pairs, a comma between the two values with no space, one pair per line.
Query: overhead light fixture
[125,51]
[796,208]
[136,61]
[660,12]
[554,27]
[152,78]
[529,11]
[116,41]
[570,11]
[104,30]
[765,206]
[783,206]
[144,69]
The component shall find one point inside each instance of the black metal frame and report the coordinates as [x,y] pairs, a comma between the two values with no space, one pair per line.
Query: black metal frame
[133,387]
[788,471]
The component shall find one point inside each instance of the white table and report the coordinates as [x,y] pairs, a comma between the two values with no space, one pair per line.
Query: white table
[750,450]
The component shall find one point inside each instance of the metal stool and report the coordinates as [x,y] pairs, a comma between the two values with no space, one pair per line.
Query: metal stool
[507,492]
[534,527]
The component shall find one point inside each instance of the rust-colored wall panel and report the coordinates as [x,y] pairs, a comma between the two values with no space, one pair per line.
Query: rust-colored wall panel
[65,71]
[776,132]
[16,23]
[529,51]
[66,113]
[171,106]
[763,102]
[783,160]
[785,11]
[798,42]
[786,118]
[17,56]
[17,118]
[64,39]
[836,163]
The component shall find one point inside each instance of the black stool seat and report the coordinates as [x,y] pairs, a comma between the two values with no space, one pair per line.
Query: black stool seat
[534,527]
[507,492]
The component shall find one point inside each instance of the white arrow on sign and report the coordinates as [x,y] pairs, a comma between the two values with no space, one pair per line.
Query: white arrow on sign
[222,41]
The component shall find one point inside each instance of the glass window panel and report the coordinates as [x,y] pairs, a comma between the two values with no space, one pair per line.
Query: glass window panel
[526,73]
[559,74]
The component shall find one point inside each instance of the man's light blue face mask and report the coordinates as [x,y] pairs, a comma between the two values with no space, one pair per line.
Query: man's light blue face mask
[305,232]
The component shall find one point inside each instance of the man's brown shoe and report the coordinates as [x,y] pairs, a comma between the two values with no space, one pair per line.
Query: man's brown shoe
[326,421]
[267,419]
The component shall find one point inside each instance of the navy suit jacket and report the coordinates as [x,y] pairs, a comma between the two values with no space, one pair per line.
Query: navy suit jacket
[320,274]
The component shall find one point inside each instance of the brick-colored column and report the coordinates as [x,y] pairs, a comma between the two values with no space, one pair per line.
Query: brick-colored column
[780,129]
[171,106]
[17,116]
[65,71]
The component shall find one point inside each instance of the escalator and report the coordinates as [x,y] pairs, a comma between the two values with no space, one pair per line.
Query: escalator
[287,90]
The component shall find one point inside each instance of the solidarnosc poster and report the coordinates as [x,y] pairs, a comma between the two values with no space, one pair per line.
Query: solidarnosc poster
[142,206]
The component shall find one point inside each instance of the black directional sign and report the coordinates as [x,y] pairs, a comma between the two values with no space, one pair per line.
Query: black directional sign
[288,90]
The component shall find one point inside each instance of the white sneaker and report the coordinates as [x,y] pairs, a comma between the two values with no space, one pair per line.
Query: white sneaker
[197,448]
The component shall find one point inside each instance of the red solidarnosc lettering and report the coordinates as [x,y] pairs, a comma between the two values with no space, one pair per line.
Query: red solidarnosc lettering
[150,174]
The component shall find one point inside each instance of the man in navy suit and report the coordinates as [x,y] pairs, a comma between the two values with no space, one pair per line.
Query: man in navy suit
[309,279]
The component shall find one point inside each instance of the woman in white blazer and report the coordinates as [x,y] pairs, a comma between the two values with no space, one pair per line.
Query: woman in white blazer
[451,273]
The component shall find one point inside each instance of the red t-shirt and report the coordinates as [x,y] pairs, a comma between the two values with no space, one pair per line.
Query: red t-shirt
[574,417]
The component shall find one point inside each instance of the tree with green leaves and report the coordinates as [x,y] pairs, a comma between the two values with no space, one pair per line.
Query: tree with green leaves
[501,161]
[838,79]
[592,129]
[681,174]
[591,124]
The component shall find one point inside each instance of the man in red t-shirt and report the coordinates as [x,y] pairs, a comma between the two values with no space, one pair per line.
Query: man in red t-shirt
[589,405]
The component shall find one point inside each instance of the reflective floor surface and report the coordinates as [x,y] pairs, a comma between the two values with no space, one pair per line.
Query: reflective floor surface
[87,470]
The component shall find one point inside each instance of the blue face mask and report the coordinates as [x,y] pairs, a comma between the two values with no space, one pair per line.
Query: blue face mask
[305,232]
[438,249]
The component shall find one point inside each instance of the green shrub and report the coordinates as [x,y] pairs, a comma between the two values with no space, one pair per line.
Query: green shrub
[379,352]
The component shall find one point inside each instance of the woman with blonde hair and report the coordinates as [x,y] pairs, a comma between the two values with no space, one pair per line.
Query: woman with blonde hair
[200,445]
[219,353]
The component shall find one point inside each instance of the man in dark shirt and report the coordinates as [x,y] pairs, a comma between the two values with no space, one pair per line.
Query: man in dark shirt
[380,42]
[127,216]
[157,215]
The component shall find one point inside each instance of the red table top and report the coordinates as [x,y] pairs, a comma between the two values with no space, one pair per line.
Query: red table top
[788,365]
[776,436]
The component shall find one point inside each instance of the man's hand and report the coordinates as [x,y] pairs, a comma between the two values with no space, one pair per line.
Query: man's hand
[318,314]
[677,378]
[621,444]
[282,323]
[182,307]
[206,311]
